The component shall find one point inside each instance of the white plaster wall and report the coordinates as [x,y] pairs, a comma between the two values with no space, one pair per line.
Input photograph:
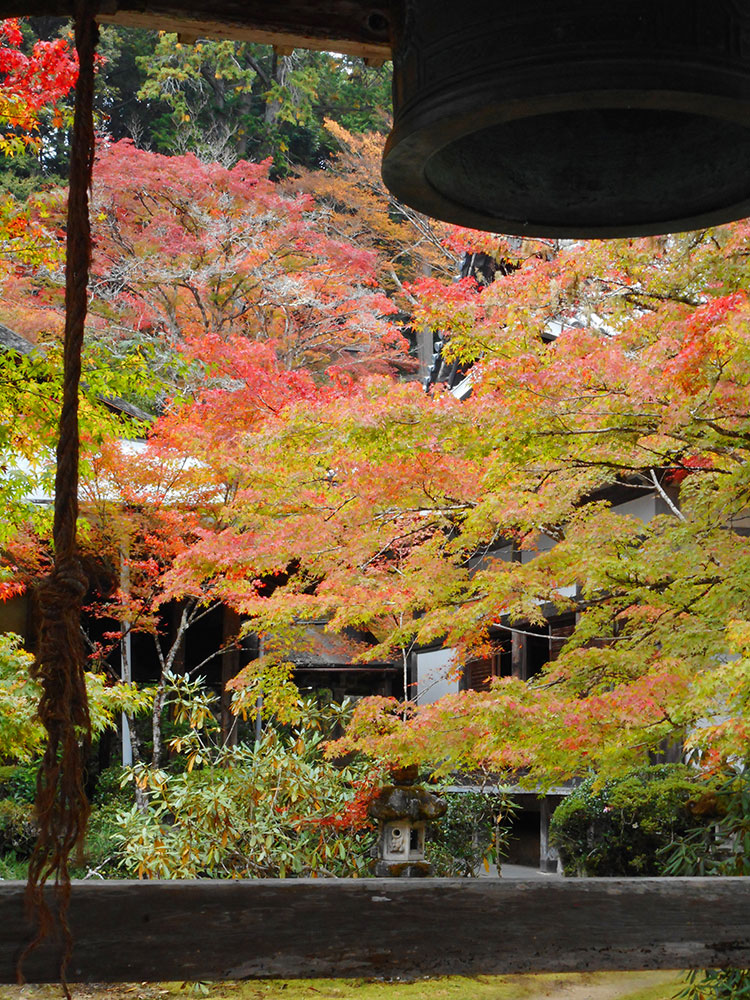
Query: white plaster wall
[644,508]
[543,543]
[433,681]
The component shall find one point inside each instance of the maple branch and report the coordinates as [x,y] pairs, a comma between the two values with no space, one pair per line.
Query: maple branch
[665,496]
[519,631]
[198,301]
[211,656]
[723,431]
[206,609]
[400,286]
[389,544]
[335,510]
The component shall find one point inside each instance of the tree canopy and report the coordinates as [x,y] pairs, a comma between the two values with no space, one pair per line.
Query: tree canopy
[273,320]
[596,366]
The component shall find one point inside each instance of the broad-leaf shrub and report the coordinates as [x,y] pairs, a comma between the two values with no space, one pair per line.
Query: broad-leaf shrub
[272,809]
[18,782]
[621,826]
[474,832]
[721,847]
[18,828]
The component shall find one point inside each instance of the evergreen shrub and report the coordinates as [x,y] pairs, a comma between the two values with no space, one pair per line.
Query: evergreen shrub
[624,825]
[18,782]
[474,831]
[18,828]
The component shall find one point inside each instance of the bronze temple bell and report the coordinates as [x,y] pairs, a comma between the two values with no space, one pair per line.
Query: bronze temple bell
[572,118]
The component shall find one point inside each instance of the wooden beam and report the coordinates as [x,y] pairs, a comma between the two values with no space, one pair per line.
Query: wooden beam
[213,930]
[349,26]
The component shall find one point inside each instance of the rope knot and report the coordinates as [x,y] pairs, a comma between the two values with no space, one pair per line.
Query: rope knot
[64,588]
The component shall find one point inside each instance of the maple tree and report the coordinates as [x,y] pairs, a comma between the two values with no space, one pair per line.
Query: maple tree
[596,366]
[35,80]
[358,207]
[141,508]
[192,262]
[30,82]
[226,285]
[137,522]
[188,255]
[149,506]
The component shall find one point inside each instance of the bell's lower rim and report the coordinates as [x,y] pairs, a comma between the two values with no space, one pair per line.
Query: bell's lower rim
[438,130]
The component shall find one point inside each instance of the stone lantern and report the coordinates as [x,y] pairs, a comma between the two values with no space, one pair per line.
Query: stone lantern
[403,810]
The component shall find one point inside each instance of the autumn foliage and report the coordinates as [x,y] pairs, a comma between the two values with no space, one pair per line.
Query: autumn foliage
[289,449]
[30,82]
[598,368]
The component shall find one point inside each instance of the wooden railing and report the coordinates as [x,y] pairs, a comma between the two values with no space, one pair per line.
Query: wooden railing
[212,930]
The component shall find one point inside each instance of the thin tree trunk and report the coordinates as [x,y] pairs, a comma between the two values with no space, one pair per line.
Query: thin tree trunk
[156,720]
[126,663]
[141,796]
[166,667]
[405,662]
[259,702]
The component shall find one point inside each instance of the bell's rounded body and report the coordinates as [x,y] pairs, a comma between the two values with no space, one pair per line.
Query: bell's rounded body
[572,118]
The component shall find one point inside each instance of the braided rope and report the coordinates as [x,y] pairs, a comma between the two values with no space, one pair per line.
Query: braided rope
[61,802]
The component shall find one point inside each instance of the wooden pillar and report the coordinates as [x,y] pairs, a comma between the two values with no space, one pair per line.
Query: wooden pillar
[518,655]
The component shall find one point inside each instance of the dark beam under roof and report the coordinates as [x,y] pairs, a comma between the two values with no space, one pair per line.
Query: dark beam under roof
[349,26]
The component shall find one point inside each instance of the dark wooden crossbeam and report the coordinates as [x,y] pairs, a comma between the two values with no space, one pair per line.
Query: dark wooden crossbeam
[213,930]
[350,26]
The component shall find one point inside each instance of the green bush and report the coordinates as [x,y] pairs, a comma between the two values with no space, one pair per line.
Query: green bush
[277,808]
[113,788]
[18,828]
[474,831]
[623,826]
[719,847]
[101,854]
[12,867]
[18,782]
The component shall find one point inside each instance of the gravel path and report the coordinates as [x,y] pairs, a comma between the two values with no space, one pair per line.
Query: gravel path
[605,986]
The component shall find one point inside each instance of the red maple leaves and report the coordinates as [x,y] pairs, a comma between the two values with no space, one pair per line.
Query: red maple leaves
[30,82]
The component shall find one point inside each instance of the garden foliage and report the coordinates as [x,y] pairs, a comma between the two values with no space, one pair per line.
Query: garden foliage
[289,475]
[720,846]
[473,834]
[622,826]
[268,809]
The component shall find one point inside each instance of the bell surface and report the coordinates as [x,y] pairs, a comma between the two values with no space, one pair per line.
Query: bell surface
[573,118]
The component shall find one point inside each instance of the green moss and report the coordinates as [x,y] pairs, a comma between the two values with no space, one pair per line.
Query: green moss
[570,986]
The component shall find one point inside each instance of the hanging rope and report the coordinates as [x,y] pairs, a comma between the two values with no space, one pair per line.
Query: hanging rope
[62,806]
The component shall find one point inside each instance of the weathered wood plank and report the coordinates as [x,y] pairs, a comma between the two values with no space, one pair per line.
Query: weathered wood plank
[350,26]
[210,930]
